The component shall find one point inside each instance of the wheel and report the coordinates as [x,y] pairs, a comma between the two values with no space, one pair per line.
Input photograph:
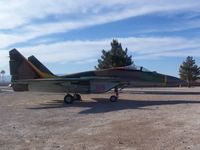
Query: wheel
[77,97]
[68,99]
[113,98]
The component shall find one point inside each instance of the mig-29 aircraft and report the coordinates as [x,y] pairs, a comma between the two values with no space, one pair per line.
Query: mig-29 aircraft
[31,75]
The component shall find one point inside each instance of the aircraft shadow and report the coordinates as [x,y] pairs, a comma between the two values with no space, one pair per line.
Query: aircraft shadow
[102,105]
[162,92]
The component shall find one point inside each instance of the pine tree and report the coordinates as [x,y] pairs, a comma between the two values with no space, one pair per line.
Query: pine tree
[2,75]
[189,71]
[116,57]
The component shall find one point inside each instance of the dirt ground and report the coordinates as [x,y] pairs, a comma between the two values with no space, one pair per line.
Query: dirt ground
[143,118]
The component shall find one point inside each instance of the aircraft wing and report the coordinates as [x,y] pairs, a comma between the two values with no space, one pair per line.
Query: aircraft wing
[66,79]
[79,85]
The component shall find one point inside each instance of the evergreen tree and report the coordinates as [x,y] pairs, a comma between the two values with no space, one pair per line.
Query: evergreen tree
[116,57]
[2,75]
[189,71]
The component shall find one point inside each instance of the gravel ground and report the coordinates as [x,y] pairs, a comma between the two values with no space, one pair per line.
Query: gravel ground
[143,118]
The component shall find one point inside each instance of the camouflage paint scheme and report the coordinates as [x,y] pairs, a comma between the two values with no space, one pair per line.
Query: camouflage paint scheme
[32,75]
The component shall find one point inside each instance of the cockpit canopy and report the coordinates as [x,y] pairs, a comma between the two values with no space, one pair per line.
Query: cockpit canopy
[135,67]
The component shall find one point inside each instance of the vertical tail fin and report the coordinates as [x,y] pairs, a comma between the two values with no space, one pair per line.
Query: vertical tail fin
[21,68]
[39,65]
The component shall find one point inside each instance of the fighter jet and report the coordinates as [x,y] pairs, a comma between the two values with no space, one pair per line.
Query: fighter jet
[31,75]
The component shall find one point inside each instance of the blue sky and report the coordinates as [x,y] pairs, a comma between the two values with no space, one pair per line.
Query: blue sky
[68,36]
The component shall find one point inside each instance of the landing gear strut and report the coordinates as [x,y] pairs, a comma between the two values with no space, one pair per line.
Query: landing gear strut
[114,98]
[77,97]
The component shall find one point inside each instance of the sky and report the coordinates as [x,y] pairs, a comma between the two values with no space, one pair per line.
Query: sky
[69,35]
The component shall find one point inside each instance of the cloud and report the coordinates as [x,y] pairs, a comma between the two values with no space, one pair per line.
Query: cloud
[4,58]
[80,52]
[25,20]
[69,51]
[72,51]
[29,19]
[147,45]
[4,61]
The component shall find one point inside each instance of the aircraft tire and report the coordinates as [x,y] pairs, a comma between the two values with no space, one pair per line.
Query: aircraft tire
[113,98]
[68,99]
[77,97]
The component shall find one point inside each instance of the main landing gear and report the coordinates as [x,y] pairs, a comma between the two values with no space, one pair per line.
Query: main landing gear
[114,98]
[69,99]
